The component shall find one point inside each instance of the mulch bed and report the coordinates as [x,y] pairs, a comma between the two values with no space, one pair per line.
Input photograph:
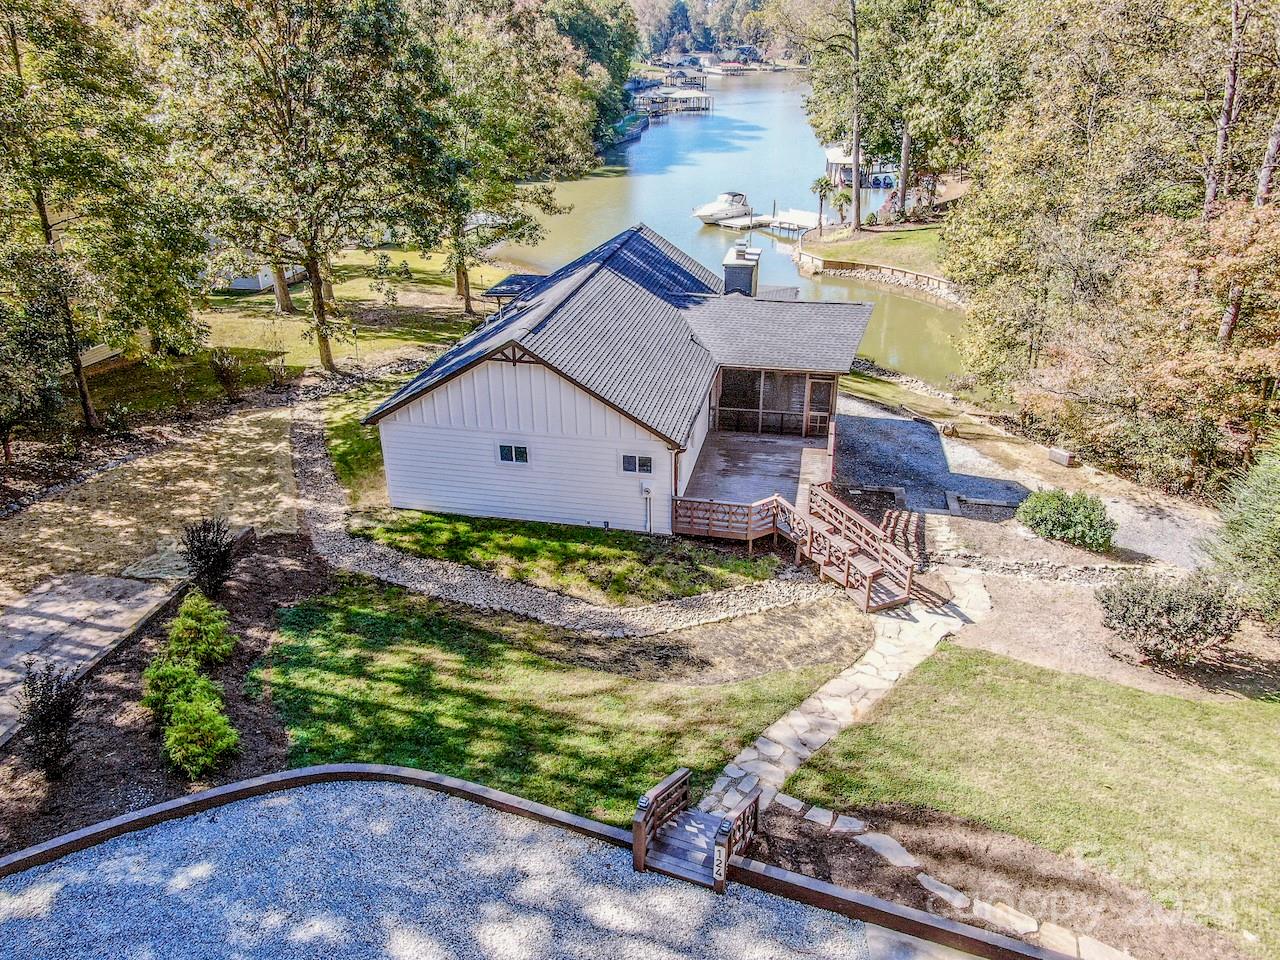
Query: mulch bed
[119,764]
[991,865]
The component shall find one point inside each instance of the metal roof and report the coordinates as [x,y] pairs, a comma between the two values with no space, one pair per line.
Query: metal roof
[643,326]
[513,284]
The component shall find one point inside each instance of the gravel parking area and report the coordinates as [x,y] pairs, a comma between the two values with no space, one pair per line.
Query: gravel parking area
[877,448]
[387,870]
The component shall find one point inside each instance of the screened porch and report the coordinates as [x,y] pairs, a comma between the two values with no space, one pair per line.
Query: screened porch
[772,401]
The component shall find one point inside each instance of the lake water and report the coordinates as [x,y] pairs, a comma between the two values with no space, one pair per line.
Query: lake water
[757,141]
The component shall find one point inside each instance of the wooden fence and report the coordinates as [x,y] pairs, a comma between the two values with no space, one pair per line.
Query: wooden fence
[727,521]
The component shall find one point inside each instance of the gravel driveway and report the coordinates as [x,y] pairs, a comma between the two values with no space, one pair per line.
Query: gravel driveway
[387,870]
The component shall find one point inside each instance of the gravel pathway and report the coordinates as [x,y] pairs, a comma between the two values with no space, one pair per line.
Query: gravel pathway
[386,870]
[324,502]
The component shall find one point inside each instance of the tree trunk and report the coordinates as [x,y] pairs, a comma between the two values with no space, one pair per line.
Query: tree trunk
[319,315]
[855,148]
[72,341]
[1231,315]
[6,444]
[280,284]
[904,170]
[820,215]
[1213,175]
[462,282]
[1268,169]
[326,283]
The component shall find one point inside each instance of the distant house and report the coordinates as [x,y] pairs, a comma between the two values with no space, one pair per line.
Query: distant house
[626,379]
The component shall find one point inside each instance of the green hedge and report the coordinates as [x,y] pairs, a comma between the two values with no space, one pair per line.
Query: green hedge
[198,737]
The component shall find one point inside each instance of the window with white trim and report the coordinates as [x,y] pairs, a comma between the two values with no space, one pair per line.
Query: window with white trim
[636,463]
[510,453]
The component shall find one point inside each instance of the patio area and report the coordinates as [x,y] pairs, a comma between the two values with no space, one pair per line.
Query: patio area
[746,467]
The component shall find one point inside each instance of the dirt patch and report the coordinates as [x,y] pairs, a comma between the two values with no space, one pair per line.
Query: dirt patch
[992,866]
[241,467]
[1008,540]
[1059,625]
[118,763]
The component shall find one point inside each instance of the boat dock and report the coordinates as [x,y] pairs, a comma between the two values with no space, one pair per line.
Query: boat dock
[781,221]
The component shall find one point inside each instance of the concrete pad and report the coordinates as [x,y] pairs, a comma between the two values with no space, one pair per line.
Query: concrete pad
[71,621]
[746,467]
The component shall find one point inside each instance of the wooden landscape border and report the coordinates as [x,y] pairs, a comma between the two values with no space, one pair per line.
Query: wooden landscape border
[774,880]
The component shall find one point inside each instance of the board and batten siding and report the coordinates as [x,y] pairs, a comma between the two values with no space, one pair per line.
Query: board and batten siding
[441,452]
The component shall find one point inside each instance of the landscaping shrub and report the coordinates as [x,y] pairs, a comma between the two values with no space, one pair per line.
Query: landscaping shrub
[199,632]
[1078,518]
[1171,621]
[167,682]
[1248,548]
[208,547]
[48,703]
[228,370]
[198,736]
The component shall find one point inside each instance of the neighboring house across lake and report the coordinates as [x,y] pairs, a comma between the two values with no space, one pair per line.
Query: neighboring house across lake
[629,377]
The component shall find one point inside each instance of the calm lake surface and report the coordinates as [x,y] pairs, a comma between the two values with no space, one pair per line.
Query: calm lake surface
[757,141]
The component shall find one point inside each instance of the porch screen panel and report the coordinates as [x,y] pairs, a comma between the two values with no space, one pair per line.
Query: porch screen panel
[739,400]
[783,402]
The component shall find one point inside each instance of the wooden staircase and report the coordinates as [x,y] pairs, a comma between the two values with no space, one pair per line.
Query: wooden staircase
[849,549]
[669,837]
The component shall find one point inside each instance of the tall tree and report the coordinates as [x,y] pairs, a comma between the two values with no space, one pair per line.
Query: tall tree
[515,114]
[83,189]
[605,32]
[290,116]
[30,360]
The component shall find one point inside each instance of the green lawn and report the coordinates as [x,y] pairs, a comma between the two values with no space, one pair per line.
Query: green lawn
[1180,798]
[605,566]
[142,389]
[381,676]
[915,249]
[425,313]
[355,449]
[610,566]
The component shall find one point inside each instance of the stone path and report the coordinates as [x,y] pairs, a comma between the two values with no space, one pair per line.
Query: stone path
[904,638]
[71,621]
[325,508]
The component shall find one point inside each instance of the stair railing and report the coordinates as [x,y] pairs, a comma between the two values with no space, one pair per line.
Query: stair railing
[734,836]
[655,809]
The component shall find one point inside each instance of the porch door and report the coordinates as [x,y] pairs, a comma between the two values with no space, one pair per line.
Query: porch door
[818,406]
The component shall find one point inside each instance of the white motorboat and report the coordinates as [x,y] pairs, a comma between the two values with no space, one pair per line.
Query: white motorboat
[724,207]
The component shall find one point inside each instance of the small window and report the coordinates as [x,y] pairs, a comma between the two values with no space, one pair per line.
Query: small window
[509,453]
[631,463]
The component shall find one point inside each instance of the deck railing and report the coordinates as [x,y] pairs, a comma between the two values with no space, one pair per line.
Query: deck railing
[727,521]
[736,832]
[857,529]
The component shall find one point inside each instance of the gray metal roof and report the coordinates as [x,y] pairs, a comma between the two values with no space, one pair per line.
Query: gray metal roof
[643,326]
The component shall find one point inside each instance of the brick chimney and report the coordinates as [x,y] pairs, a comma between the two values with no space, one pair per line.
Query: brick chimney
[742,269]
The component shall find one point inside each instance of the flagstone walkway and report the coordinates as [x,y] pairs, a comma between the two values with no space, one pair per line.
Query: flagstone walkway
[904,638]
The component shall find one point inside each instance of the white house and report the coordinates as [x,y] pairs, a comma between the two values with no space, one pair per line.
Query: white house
[591,395]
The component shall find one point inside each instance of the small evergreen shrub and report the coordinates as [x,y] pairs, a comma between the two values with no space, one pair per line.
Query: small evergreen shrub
[228,370]
[209,548]
[48,703]
[167,682]
[1173,622]
[1077,518]
[199,632]
[198,737]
